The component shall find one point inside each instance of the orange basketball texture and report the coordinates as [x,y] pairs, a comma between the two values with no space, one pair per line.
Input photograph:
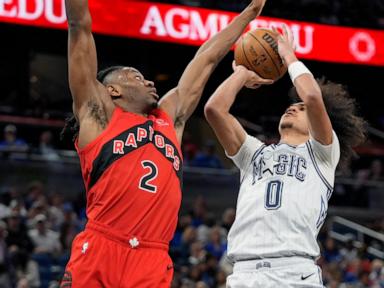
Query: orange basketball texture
[257,50]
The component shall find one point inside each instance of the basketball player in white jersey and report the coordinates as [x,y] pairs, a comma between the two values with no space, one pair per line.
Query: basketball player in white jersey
[284,188]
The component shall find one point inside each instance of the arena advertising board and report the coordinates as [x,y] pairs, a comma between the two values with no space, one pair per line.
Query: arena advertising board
[192,26]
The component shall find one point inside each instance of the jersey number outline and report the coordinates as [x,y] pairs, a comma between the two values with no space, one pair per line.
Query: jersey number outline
[273,195]
[148,177]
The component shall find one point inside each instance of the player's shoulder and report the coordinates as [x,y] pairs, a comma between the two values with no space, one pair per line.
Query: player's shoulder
[161,117]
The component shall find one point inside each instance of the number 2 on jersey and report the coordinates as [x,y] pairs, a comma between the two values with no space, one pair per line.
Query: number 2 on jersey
[273,195]
[145,181]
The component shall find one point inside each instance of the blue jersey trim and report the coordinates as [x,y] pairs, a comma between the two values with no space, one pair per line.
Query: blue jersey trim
[257,153]
[312,155]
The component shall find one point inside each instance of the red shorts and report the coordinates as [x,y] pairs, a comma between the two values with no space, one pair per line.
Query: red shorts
[103,258]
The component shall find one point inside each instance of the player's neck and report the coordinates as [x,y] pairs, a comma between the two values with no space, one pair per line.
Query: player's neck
[293,138]
[128,107]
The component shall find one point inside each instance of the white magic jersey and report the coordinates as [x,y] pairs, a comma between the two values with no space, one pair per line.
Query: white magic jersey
[283,198]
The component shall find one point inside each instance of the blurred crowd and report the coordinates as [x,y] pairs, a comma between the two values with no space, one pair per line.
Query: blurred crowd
[36,232]
[199,253]
[37,228]
[13,146]
[361,186]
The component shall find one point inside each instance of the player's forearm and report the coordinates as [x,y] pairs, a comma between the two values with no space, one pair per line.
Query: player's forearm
[222,100]
[78,14]
[306,85]
[219,45]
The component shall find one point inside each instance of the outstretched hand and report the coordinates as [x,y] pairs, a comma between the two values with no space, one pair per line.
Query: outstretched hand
[252,80]
[286,43]
[258,5]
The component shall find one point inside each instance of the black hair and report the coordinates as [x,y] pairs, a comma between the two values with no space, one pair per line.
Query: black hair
[342,111]
[102,74]
[71,128]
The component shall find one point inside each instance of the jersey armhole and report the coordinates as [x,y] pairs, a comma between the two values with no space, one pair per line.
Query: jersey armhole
[117,111]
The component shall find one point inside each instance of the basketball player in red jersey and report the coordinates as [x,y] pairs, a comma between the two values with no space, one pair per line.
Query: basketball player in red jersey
[129,147]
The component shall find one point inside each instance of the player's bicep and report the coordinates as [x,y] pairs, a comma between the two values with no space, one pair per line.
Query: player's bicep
[327,155]
[319,123]
[82,66]
[228,130]
[195,76]
[168,103]
[181,101]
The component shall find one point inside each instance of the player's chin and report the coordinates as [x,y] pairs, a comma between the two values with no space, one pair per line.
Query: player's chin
[286,125]
[154,104]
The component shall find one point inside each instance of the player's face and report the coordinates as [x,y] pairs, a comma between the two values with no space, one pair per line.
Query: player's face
[139,90]
[295,117]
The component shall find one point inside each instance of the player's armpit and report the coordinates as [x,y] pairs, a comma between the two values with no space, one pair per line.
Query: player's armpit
[227,128]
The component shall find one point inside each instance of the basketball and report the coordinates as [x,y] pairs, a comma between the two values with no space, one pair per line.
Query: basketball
[257,50]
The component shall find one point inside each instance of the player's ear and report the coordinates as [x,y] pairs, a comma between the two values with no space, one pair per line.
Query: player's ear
[114,90]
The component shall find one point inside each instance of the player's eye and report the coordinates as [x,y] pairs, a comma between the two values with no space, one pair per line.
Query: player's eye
[138,78]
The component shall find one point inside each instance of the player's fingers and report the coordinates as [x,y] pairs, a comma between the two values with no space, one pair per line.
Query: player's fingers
[285,32]
[265,81]
[274,29]
[279,36]
[234,65]
[256,86]
[289,35]
[253,86]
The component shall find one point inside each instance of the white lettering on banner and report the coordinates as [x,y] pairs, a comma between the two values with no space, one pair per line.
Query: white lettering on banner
[40,8]
[199,31]
[3,12]
[364,39]
[11,13]
[190,27]
[51,17]
[30,15]
[307,41]
[182,32]
[303,45]
[153,20]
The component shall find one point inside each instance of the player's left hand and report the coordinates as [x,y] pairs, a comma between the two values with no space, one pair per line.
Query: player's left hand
[252,80]
[286,44]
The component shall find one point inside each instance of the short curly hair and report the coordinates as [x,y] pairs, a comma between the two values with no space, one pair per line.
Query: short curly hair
[350,128]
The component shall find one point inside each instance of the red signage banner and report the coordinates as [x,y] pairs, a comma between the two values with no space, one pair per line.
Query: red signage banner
[193,26]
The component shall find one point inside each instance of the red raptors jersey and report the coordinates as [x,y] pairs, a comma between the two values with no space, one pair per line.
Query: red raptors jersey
[133,173]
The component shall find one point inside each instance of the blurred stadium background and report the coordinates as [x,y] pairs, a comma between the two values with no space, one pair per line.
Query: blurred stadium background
[42,197]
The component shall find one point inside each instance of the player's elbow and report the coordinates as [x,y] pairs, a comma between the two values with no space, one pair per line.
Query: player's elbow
[312,98]
[208,56]
[211,111]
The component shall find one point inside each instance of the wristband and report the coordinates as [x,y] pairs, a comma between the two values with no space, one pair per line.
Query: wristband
[297,69]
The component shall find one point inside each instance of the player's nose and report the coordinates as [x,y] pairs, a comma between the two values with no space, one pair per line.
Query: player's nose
[149,83]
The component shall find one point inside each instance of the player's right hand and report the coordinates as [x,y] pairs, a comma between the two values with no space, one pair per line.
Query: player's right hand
[252,79]
[258,5]
[286,45]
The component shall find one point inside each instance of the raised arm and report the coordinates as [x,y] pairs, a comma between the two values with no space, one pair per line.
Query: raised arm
[82,59]
[320,126]
[181,101]
[227,129]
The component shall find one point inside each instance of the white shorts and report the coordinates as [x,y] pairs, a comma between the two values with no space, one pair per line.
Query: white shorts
[288,272]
